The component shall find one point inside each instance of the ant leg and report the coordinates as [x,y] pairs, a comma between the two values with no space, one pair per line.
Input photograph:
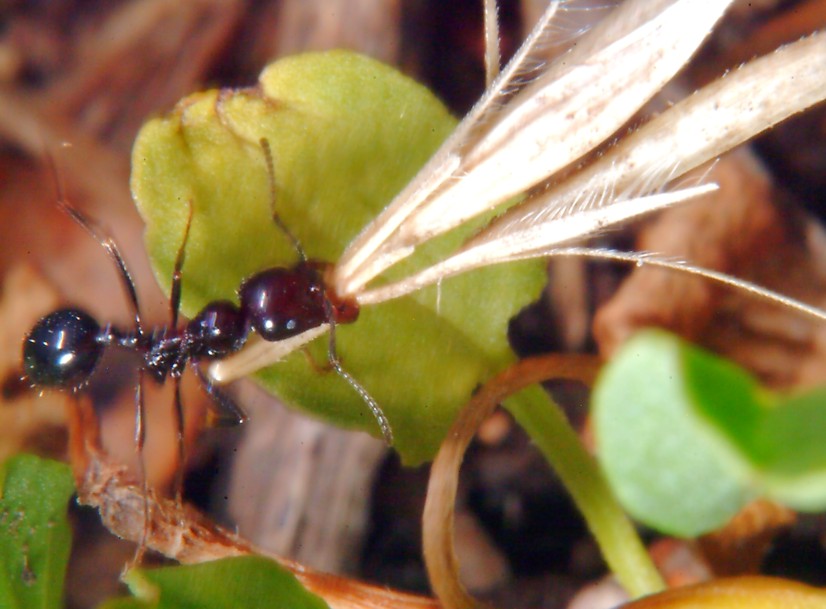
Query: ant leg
[140,440]
[225,412]
[105,241]
[265,146]
[175,307]
[316,366]
[332,356]
[179,425]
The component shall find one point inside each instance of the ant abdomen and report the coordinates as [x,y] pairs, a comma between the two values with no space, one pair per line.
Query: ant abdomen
[62,349]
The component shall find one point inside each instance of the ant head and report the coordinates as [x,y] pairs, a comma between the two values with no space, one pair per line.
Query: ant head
[62,349]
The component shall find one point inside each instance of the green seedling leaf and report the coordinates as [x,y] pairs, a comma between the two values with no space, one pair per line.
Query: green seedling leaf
[670,468]
[347,133]
[686,437]
[247,581]
[34,531]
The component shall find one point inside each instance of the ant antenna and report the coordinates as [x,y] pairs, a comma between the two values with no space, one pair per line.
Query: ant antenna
[105,241]
[332,357]
[265,146]
[177,275]
[335,362]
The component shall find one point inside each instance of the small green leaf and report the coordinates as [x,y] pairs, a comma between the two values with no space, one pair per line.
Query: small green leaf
[670,468]
[35,532]
[347,133]
[246,581]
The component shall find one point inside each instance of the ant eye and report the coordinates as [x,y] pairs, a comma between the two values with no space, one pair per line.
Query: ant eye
[62,349]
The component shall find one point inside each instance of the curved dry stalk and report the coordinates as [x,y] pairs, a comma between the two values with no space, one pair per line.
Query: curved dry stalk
[438,521]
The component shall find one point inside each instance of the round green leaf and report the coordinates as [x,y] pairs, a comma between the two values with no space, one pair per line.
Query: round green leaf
[347,133]
[670,468]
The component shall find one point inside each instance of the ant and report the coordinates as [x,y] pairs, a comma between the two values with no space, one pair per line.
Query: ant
[63,349]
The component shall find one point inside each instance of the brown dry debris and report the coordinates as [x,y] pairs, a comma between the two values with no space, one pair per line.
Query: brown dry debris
[740,547]
[181,533]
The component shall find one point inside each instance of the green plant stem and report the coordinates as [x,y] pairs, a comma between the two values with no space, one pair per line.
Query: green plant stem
[618,540]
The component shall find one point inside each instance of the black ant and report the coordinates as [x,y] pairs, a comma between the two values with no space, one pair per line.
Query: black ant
[63,349]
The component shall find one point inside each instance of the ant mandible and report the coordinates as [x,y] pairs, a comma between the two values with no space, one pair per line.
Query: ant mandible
[63,349]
